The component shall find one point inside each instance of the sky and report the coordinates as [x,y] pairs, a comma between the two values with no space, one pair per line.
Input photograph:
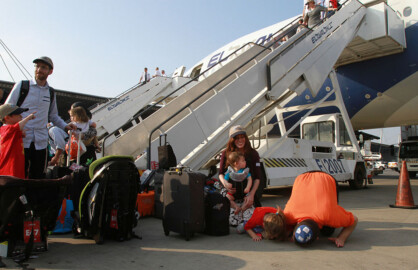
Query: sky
[101,47]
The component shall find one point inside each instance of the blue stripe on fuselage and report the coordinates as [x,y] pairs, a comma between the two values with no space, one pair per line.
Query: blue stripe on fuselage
[370,77]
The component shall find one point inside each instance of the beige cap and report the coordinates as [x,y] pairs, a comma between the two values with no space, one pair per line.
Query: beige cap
[236,130]
[46,60]
[9,109]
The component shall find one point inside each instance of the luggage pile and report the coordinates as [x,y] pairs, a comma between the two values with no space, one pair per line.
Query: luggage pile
[28,210]
[192,204]
[187,201]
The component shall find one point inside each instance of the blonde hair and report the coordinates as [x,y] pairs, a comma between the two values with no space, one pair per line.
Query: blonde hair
[79,114]
[274,225]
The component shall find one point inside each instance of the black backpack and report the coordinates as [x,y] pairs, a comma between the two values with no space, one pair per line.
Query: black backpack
[108,201]
[24,90]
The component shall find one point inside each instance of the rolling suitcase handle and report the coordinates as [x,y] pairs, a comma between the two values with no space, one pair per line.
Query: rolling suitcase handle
[69,147]
[78,149]
[165,138]
[178,170]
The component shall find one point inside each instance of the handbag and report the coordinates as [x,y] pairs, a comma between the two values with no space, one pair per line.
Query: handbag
[166,156]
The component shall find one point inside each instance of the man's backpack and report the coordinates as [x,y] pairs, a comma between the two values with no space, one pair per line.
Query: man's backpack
[24,90]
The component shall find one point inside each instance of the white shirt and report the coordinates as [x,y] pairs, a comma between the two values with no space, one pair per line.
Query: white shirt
[82,127]
[37,101]
[157,73]
[143,77]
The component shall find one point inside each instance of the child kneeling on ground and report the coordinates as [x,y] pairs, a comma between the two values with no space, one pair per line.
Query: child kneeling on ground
[265,222]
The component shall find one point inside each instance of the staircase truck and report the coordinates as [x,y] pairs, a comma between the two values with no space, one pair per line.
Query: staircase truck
[408,149]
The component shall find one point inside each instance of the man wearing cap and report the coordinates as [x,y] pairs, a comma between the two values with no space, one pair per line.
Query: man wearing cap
[12,159]
[313,205]
[38,99]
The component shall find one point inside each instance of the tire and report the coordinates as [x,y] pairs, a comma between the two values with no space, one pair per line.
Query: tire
[412,174]
[359,180]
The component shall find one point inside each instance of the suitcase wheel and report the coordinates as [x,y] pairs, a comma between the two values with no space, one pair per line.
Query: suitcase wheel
[98,238]
[166,230]
[187,232]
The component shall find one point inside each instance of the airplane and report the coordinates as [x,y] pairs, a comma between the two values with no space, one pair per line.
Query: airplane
[372,71]
[377,93]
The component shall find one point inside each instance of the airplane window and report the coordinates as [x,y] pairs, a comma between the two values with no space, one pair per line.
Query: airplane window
[407,11]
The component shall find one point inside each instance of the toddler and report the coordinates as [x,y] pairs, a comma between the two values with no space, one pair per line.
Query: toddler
[79,117]
[237,176]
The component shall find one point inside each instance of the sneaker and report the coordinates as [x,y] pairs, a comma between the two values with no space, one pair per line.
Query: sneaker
[240,228]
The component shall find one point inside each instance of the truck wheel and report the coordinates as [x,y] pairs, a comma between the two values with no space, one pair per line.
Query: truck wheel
[412,174]
[359,180]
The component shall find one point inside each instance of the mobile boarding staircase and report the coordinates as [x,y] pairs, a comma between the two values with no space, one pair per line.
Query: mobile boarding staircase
[126,107]
[197,122]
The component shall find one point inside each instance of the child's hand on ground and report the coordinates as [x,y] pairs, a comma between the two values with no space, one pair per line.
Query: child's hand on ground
[257,238]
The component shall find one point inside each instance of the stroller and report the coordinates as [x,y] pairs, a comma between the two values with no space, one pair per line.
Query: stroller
[28,210]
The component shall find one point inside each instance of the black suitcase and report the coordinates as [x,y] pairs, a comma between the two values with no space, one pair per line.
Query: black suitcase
[158,194]
[184,209]
[80,179]
[217,208]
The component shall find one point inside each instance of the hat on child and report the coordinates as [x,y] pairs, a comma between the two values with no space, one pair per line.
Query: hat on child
[306,232]
[9,109]
[236,130]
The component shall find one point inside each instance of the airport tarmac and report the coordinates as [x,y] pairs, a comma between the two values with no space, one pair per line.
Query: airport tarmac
[385,238]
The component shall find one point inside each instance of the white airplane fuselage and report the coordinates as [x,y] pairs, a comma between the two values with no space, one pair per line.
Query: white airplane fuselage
[377,93]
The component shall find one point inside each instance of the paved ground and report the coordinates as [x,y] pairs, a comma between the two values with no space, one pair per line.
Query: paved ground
[385,238]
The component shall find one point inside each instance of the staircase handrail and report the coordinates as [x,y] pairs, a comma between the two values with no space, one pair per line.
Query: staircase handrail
[196,78]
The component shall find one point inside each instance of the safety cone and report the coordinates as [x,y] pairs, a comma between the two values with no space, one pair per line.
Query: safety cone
[404,197]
